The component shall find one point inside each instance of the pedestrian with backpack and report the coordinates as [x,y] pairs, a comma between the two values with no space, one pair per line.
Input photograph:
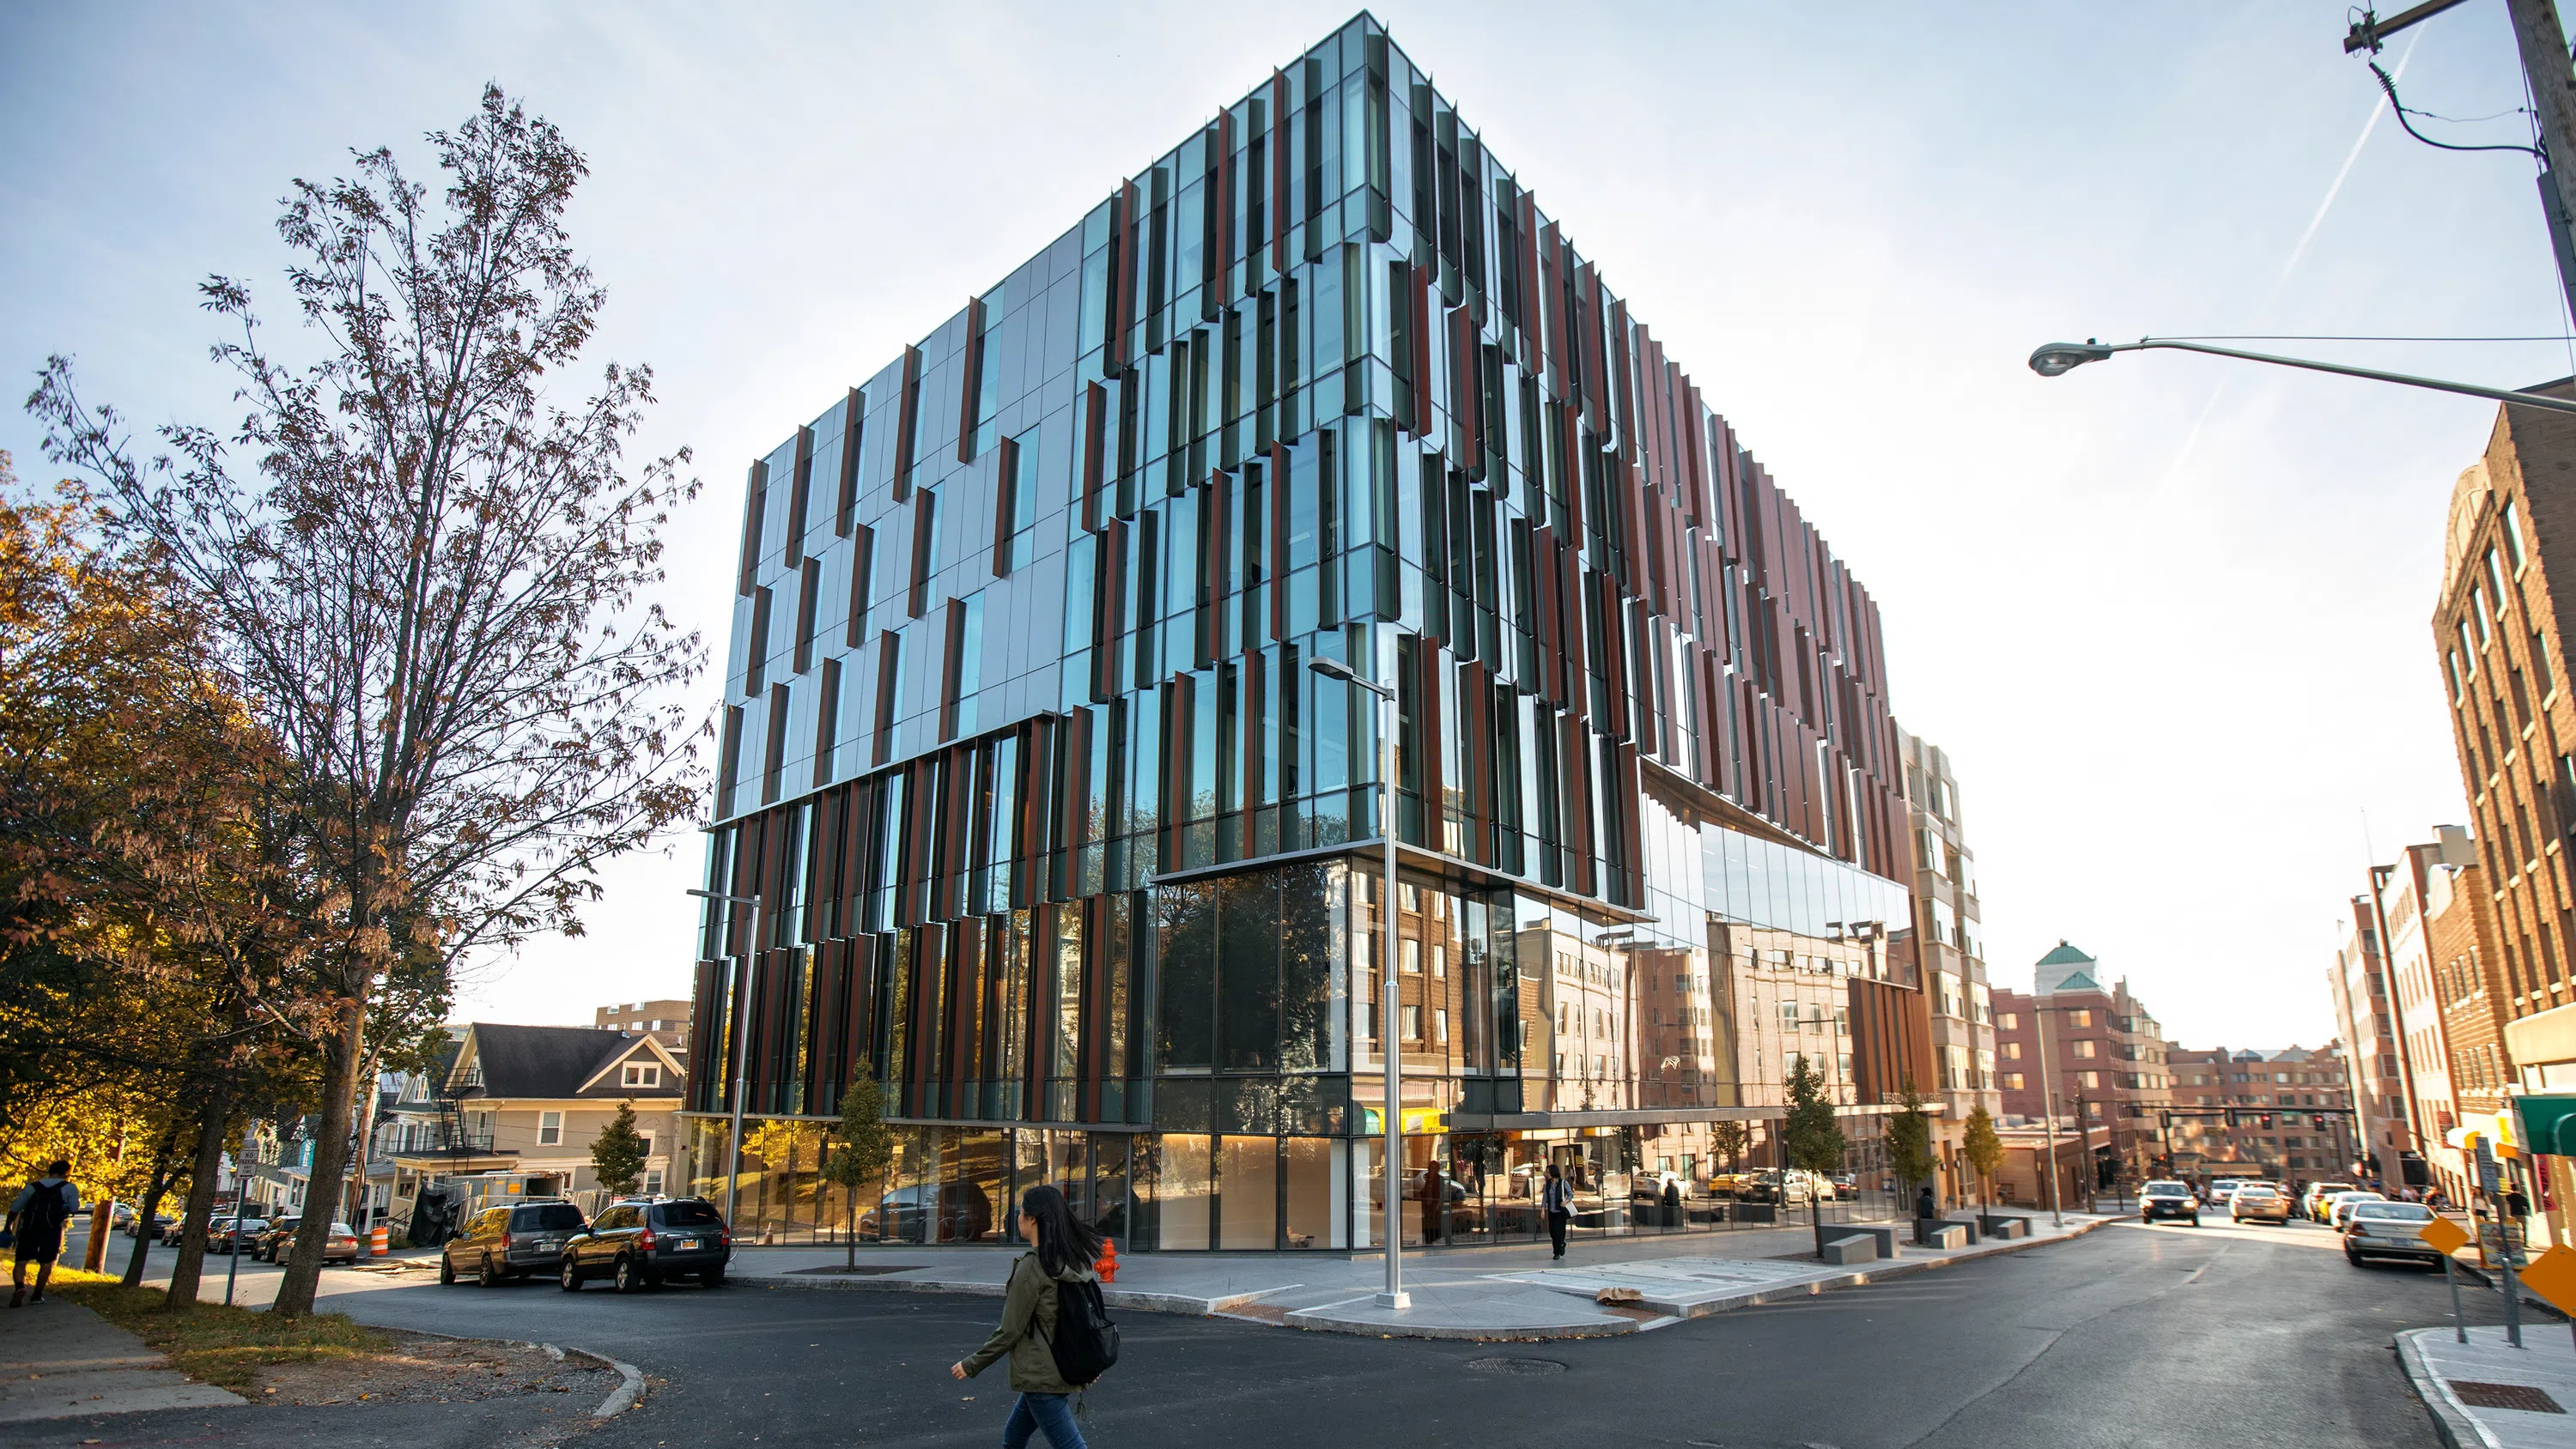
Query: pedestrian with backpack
[1054,1328]
[36,1222]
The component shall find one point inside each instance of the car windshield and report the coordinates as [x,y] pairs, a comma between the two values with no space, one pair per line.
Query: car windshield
[547,1218]
[2163,1189]
[688,1215]
[341,1230]
[2401,1211]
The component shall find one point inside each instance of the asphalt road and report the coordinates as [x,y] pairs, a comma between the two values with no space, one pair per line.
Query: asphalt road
[2131,1336]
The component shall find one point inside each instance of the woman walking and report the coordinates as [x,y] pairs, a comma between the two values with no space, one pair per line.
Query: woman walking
[1063,1252]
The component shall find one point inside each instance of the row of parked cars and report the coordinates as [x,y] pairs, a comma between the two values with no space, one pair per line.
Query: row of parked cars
[2371,1226]
[267,1240]
[634,1243]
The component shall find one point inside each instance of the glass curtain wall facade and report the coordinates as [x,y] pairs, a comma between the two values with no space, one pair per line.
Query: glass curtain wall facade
[1055,832]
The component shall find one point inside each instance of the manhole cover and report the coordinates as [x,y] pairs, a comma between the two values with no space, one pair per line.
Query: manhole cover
[1515,1366]
[2505,1396]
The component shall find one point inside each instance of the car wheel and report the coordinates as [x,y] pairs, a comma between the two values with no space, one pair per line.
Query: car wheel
[570,1275]
[628,1280]
[2195,1220]
[487,1275]
[446,1271]
[2351,1257]
[712,1278]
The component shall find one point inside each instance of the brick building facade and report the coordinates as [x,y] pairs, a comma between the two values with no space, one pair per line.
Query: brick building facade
[2106,1062]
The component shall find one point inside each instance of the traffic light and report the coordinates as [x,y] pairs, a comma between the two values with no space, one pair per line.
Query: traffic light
[2266,1121]
[2318,1121]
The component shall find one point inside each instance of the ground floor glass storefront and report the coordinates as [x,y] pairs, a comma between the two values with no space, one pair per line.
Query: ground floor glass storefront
[1217,1191]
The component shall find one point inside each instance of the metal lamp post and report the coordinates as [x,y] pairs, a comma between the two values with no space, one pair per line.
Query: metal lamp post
[2057,359]
[1393,1047]
[741,1050]
[2047,1109]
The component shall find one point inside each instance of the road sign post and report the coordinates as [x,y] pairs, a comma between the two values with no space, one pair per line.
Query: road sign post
[2446,1237]
[2491,1182]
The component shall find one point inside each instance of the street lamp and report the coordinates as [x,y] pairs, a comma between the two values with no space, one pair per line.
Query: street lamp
[2060,358]
[1392,1119]
[741,1050]
[2047,1106]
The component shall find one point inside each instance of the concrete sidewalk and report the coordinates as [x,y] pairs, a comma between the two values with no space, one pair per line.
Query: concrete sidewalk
[59,1360]
[2487,1393]
[1514,1292]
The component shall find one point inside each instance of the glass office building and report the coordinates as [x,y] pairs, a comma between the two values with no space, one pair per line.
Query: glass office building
[1055,831]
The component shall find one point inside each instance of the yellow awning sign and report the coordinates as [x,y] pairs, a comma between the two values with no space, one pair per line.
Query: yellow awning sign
[2446,1236]
[2552,1275]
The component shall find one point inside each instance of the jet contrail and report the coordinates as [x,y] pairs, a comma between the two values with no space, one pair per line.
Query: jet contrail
[2378,108]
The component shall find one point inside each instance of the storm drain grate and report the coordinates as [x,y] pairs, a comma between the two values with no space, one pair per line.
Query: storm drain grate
[1515,1366]
[2505,1396]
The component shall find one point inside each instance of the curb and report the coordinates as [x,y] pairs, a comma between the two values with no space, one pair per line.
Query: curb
[628,1393]
[2457,1429]
[1308,1320]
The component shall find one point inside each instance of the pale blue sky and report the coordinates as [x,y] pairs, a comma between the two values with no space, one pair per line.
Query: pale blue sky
[2172,683]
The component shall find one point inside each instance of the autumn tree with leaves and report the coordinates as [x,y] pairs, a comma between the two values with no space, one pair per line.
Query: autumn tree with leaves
[431,578]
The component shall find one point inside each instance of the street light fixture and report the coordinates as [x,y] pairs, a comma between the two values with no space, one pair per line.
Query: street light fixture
[2057,359]
[1392,1047]
[741,1051]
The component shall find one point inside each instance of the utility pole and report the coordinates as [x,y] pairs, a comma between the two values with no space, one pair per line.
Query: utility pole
[2547,70]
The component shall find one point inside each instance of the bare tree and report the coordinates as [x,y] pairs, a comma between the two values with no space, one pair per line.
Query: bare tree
[432,582]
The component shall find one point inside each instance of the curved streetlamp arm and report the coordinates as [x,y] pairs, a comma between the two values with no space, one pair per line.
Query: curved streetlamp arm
[2527,399]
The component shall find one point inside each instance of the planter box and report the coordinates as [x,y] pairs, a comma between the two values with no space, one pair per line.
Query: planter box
[1756,1212]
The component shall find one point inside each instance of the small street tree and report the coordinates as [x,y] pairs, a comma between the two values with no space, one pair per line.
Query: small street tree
[1909,1142]
[1728,1140]
[617,1153]
[1984,1149]
[431,577]
[864,1146]
[1809,1134]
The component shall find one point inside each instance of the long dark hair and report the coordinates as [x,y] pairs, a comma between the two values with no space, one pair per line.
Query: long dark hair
[1063,1239]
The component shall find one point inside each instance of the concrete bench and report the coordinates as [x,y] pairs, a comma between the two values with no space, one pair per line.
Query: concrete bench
[1998,1226]
[1856,1248]
[1755,1212]
[1934,1233]
[1883,1239]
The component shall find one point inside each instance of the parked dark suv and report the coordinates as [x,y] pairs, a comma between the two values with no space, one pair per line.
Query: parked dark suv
[633,1244]
[514,1241]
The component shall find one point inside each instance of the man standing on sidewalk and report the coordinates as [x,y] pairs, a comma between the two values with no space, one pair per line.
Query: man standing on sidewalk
[1557,1201]
[37,1218]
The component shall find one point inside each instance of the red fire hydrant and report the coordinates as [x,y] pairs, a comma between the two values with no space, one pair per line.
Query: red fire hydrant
[1107,1266]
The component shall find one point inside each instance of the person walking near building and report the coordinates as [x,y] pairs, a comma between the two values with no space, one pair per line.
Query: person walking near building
[1064,1251]
[42,1210]
[1557,1201]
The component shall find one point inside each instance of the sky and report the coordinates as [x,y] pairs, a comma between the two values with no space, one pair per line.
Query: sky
[2168,614]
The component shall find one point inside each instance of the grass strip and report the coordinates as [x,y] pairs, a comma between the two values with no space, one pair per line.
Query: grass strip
[213,1344]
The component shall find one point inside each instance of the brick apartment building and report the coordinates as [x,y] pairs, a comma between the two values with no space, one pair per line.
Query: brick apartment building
[665,1021]
[2288,1127]
[2366,1022]
[2107,1064]
[2468,980]
[2499,632]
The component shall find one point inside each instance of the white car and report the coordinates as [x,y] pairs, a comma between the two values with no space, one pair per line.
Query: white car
[2223,1189]
[2339,1207]
[2386,1229]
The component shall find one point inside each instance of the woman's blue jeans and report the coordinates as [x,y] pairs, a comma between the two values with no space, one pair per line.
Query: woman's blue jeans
[1050,1412]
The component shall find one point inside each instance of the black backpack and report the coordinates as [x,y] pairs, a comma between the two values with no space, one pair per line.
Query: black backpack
[46,1212]
[1085,1344]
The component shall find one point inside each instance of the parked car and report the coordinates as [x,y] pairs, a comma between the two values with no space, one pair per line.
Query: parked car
[2168,1199]
[120,1216]
[1844,1184]
[2382,1229]
[234,1235]
[2339,1206]
[510,1241]
[1728,1184]
[159,1227]
[1795,1186]
[272,1245]
[963,1213]
[342,1246]
[638,1243]
[2259,1200]
[2312,1203]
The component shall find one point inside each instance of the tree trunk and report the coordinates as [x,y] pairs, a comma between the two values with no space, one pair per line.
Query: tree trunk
[852,1242]
[143,1214]
[342,1058]
[201,1198]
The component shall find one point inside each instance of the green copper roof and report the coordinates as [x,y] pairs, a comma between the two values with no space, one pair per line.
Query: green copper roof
[2065,955]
